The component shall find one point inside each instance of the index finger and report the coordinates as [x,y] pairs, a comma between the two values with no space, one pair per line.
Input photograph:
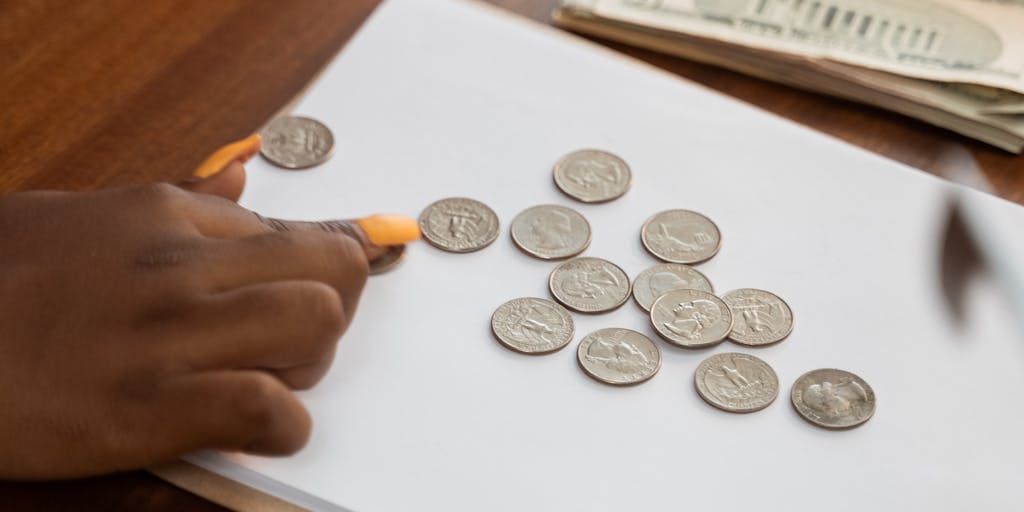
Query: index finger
[216,217]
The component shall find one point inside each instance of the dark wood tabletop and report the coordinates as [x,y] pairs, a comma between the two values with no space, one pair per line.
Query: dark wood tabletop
[109,92]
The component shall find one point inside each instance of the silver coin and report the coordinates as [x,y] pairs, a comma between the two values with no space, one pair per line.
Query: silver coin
[589,285]
[532,326]
[759,317]
[551,232]
[386,262]
[618,356]
[655,281]
[691,318]
[681,236]
[736,382]
[458,224]
[592,176]
[833,399]
[295,142]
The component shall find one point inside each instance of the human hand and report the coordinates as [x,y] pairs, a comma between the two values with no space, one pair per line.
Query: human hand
[141,323]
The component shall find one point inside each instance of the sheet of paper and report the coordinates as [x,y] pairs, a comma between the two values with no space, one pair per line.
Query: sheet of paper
[423,410]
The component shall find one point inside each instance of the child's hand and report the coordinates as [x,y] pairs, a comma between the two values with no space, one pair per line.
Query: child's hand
[140,323]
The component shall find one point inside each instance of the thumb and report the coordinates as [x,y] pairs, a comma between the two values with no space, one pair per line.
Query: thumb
[227,183]
[222,174]
[375,233]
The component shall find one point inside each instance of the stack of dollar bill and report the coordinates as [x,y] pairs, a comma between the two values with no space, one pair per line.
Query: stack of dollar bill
[957,64]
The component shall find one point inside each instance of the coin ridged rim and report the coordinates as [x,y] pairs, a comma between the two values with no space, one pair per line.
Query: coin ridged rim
[702,392]
[561,164]
[523,247]
[792,319]
[652,252]
[327,156]
[392,258]
[659,265]
[557,306]
[625,297]
[874,400]
[665,337]
[440,245]
[579,359]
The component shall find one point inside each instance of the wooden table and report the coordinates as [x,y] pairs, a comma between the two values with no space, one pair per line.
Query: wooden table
[102,93]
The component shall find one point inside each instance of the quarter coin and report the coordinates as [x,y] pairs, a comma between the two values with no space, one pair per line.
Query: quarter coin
[759,317]
[618,356]
[551,232]
[681,236]
[736,382]
[655,281]
[589,285]
[592,176]
[295,142]
[532,326]
[691,318]
[392,258]
[458,224]
[833,399]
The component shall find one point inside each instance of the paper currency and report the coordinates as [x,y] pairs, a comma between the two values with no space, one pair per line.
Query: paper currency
[958,64]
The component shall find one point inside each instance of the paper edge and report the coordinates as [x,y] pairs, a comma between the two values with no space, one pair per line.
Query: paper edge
[219,489]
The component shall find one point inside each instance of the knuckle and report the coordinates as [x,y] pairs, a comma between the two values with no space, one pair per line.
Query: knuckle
[257,403]
[351,259]
[324,308]
[304,377]
[272,240]
[161,195]
[170,253]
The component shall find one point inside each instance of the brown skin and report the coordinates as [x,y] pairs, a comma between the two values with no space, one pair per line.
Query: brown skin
[141,323]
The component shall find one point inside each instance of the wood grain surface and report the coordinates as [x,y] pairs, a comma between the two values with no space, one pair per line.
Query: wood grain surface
[98,93]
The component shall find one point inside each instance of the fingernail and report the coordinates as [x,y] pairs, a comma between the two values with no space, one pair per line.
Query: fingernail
[241,151]
[390,229]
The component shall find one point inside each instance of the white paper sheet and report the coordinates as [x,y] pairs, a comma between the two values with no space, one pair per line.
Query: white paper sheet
[423,410]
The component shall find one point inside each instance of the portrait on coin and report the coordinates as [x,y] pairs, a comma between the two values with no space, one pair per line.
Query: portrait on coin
[661,282]
[692,317]
[551,230]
